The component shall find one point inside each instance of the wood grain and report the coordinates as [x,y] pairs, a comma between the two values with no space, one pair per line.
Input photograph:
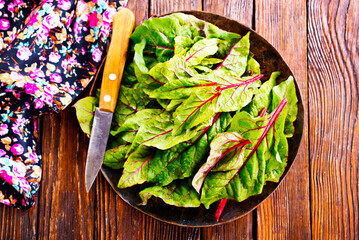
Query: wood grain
[64,206]
[159,7]
[333,45]
[242,11]
[18,224]
[286,214]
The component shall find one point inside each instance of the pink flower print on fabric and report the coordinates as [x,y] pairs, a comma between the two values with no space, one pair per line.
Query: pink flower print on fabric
[39,104]
[33,18]
[19,169]
[47,98]
[3,129]
[51,21]
[51,89]
[18,2]
[96,55]
[11,7]
[33,158]
[105,29]
[24,184]
[55,77]
[54,57]
[4,24]
[108,15]
[15,129]
[93,19]
[17,149]
[23,53]
[36,73]
[30,88]
[43,33]
[4,175]
[2,153]
[64,4]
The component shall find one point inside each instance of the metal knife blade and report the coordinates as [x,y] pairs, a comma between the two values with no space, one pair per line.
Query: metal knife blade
[97,146]
[123,22]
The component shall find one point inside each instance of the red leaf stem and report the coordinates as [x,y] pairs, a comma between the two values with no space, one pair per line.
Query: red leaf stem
[220,208]
[242,83]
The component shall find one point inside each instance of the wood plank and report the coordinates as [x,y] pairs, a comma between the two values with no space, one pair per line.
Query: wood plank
[242,11]
[159,230]
[115,219]
[18,224]
[66,210]
[286,214]
[159,7]
[333,57]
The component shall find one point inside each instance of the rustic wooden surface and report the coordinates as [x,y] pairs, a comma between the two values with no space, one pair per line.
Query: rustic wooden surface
[319,197]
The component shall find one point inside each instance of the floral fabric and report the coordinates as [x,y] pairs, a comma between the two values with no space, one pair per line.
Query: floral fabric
[49,52]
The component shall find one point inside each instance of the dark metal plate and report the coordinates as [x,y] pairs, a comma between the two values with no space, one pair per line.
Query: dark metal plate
[270,61]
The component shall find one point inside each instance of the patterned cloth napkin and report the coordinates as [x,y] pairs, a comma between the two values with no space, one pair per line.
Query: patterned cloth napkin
[49,52]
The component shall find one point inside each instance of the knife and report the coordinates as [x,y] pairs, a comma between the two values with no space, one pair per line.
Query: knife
[123,22]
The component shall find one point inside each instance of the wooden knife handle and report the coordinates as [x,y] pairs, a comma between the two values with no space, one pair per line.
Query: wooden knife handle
[123,22]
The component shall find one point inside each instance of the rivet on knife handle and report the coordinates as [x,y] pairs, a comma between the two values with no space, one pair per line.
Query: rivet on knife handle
[123,22]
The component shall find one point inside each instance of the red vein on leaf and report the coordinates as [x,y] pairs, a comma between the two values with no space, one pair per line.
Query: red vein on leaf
[163,47]
[197,108]
[272,120]
[198,51]
[229,54]
[235,147]
[263,112]
[139,168]
[154,79]
[155,136]
[242,83]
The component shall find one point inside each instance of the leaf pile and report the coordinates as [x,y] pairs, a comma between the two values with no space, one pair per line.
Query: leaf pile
[193,117]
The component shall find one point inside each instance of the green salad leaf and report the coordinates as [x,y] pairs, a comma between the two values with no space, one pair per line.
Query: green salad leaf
[179,193]
[85,111]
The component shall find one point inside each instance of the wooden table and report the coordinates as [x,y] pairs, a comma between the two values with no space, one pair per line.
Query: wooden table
[319,197]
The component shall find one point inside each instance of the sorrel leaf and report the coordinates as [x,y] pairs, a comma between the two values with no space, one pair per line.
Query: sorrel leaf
[159,34]
[181,160]
[157,132]
[204,104]
[130,127]
[287,90]
[236,61]
[85,110]
[200,50]
[227,149]
[264,134]
[115,157]
[262,100]
[130,101]
[179,193]
[136,167]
